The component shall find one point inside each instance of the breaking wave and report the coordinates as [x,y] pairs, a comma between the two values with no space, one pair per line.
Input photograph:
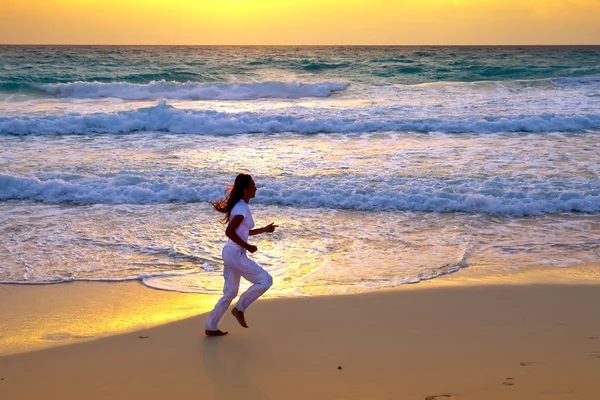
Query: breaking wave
[496,195]
[193,90]
[165,118]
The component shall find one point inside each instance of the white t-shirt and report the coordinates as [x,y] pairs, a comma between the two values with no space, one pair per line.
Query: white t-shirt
[243,231]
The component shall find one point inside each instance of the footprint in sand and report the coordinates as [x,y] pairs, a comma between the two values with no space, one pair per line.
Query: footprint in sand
[509,382]
[437,396]
[594,337]
[595,354]
[525,363]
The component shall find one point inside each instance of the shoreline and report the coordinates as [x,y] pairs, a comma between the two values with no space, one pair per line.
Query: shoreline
[45,316]
[492,341]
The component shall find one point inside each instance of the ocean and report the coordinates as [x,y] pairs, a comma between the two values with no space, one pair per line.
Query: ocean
[383,166]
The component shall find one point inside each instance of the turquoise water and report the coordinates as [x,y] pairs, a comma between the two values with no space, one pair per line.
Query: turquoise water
[383,165]
[25,67]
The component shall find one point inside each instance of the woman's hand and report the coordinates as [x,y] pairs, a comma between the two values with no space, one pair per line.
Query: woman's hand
[271,227]
[252,248]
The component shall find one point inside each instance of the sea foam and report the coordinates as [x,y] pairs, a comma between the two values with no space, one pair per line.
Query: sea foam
[500,196]
[193,90]
[165,118]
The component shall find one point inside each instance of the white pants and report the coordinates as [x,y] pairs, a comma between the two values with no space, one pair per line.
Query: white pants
[237,264]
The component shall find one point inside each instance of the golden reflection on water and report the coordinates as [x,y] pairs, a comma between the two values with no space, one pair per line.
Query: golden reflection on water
[40,316]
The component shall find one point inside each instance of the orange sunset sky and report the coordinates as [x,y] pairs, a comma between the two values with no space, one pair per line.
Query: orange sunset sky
[297,22]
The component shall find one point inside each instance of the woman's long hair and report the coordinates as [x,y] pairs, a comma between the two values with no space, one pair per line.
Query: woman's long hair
[233,194]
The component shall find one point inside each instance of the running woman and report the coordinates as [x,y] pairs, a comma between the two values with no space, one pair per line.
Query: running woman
[235,259]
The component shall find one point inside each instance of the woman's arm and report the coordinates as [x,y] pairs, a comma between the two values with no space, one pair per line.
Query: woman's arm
[231,233]
[269,228]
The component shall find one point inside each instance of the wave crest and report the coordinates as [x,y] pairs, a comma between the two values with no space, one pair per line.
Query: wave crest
[408,194]
[165,118]
[193,90]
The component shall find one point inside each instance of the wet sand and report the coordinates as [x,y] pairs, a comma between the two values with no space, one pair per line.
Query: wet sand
[531,341]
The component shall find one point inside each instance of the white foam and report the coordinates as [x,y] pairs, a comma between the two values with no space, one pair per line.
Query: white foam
[305,257]
[165,118]
[493,196]
[193,90]
[142,277]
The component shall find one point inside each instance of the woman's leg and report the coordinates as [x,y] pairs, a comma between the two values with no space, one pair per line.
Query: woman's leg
[230,290]
[260,278]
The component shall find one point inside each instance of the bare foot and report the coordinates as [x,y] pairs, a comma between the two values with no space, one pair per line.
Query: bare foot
[218,332]
[239,315]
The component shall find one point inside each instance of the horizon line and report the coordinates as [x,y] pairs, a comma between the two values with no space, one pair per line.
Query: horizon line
[301,45]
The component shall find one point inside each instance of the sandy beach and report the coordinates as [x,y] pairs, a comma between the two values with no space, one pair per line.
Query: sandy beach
[426,341]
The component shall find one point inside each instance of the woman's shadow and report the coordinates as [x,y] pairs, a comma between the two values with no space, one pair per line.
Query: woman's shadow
[225,364]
